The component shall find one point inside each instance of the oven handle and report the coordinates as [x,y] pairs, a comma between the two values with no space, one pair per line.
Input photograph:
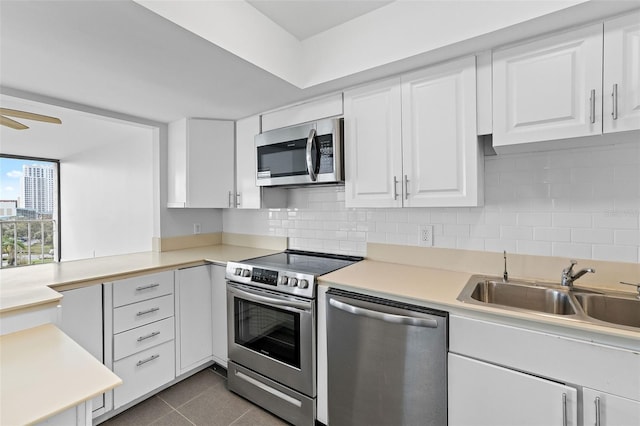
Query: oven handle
[283,303]
[310,168]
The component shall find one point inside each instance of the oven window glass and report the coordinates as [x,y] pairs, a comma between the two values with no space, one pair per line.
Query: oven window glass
[283,159]
[270,331]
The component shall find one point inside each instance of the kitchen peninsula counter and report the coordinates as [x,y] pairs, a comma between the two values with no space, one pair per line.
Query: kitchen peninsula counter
[22,288]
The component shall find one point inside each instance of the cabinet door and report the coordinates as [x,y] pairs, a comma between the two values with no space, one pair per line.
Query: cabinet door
[193,321]
[247,192]
[373,145]
[219,315]
[82,321]
[605,409]
[488,395]
[548,89]
[201,163]
[621,91]
[440,146]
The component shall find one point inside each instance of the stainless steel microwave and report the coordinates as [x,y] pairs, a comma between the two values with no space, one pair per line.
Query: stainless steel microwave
[310,153]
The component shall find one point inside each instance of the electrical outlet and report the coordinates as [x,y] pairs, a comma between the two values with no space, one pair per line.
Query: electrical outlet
[196,228]
[425,235]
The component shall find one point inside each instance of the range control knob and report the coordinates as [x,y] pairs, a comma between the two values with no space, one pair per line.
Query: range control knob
[303,284]
[246,273]
[283,280]
[238,271]
[293,282]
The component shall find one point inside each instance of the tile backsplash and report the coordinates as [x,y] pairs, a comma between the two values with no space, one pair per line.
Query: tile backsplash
[578,203]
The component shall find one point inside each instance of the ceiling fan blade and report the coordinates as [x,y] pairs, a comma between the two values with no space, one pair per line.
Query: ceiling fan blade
[4,121]
[29,115]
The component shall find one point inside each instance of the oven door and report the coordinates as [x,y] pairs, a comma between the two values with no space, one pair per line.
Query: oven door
[274,335]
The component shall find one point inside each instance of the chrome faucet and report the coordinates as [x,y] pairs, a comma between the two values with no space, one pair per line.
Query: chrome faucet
[568,277]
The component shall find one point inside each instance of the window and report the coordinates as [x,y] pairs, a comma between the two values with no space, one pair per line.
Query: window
[29,210]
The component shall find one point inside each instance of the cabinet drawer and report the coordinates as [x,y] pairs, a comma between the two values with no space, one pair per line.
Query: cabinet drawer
[143,372]
[142,313]
[136,289]
[142,338]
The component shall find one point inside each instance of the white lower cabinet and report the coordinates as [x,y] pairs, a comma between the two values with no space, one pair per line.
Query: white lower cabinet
[143,372]
[485,394]
[500,374]
[139,323]
[194,345]
[82,321]
[219,315]
[80,415]
[605,409]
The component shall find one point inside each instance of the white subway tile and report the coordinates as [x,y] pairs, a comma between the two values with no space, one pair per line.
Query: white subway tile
[592,236]
[615,253]
[417,215]
[552,234]
[356,236]
[485,231]
[516,233]
[500,218]
[397,215]
[629,237]
[616,220]
[516,177]
[376,237]
[534,219]
[471,217]
[444,216]
[408,228]
[571,220]
[386,227]
[538,190]
[457,230]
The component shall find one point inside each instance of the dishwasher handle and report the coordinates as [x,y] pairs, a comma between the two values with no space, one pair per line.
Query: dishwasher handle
[392,318]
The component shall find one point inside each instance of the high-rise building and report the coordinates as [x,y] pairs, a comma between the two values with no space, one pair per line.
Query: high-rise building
[38,184]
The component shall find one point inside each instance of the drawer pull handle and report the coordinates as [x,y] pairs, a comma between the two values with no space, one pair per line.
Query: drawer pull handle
[597,402]
[144,361]
[148,336]
[147,287]
[564,409]
[148,311]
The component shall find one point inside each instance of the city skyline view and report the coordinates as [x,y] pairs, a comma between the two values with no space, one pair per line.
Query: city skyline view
[11,174]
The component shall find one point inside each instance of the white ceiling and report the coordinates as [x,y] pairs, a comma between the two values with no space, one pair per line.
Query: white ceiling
[78,132]
[306,18]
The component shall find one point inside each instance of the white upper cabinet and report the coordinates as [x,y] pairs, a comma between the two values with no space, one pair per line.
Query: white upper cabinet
[579,83]
[549,88]
[248,195]
[412,141]
[247,192]
[439,138]
[312,110]
[373,145]
[201,166]
[621,91]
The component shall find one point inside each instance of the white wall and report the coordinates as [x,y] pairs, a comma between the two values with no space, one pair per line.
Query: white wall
[579,203]
[107,199]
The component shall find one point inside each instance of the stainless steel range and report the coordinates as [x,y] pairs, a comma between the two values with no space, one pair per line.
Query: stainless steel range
[271,310]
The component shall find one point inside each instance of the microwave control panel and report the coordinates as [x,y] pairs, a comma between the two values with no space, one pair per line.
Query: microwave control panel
[325,145]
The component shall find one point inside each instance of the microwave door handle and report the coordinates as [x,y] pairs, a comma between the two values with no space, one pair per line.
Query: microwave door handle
[310,168]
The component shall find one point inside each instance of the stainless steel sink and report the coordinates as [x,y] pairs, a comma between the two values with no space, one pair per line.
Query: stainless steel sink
[611,309]
[616,310]
[530,297]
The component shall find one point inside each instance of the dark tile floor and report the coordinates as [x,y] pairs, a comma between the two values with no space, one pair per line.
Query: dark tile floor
[200,400]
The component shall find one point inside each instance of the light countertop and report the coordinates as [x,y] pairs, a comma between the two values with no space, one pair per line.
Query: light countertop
[45,372]
[23,288]
[439,288]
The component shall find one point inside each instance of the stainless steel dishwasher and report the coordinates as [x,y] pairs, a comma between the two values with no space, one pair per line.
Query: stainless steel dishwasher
[387,362]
